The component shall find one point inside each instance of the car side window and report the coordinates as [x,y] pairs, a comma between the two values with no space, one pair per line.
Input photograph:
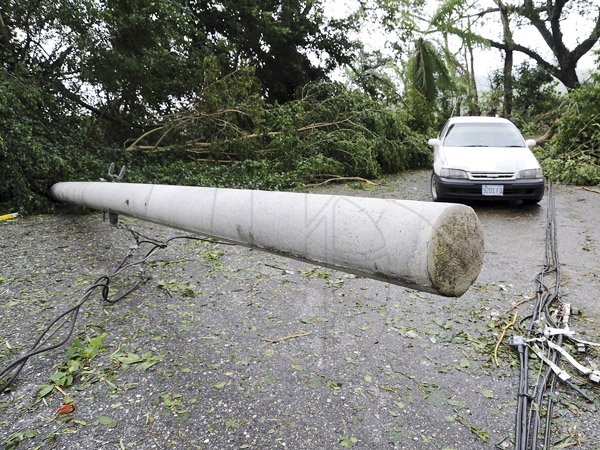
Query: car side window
[444,130]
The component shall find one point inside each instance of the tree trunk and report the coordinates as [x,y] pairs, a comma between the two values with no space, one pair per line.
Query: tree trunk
[454,70]
[508,83]
[508,59]
[547,18]
[473,81]
[568,76]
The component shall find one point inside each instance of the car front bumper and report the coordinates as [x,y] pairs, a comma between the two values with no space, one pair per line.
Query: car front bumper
[521,189]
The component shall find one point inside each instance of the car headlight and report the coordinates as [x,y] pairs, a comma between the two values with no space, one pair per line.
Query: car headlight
[531,173]
[452,173]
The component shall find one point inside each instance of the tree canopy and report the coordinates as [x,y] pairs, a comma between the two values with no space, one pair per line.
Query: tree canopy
[131,61]
[546,17]
[239,93]
[275,37]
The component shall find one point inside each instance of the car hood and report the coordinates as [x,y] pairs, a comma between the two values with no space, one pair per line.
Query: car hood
[488,159]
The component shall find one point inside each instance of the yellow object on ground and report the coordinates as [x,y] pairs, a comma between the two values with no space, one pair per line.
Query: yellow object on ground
[9,216]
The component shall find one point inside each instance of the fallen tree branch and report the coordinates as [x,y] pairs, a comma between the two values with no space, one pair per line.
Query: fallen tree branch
[220,161]
[595,191]
[225,124]
[548,134]
[330,180]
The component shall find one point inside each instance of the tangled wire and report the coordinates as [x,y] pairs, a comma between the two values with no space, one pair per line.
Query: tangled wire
[60,330]
[543,334]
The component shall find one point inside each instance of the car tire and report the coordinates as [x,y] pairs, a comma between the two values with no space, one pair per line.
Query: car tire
[434,191]
[530,201]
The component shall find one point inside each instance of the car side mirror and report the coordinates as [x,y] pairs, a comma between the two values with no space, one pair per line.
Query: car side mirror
[434,142]
[530,143]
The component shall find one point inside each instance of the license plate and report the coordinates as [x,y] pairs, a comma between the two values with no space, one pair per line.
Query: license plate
[492,189]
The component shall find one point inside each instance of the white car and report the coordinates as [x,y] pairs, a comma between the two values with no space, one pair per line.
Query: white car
[484,158]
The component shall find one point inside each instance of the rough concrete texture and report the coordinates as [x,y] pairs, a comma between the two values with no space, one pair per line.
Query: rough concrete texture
[436,247]
[455,251]
[229,348]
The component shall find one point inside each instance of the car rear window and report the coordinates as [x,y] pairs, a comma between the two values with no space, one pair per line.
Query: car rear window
[483,135]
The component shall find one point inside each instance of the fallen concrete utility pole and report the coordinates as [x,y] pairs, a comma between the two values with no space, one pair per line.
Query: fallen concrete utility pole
[433,247]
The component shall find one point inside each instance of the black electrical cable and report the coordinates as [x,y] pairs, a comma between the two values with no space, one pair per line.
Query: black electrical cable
[528,418]
[550,295]
[551,261]
[536,419]
[522,398]
[528,414]
[69,317]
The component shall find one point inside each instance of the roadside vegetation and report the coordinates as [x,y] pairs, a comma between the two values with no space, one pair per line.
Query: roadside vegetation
[230,94]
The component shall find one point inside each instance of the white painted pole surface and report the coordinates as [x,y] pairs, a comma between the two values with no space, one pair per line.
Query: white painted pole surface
[433,247]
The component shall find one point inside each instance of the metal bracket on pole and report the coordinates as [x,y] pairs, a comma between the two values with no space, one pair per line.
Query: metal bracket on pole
[111,172]
[113,218]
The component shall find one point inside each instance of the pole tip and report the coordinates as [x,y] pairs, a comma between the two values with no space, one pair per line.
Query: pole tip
[455,253]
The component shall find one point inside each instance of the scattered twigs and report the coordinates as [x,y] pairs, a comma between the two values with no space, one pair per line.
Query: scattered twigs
[520,302]
[275,267]
[59,389]
[286,338]
[501,337]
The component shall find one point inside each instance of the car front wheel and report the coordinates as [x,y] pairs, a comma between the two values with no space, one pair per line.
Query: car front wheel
[434,189]
[533,201]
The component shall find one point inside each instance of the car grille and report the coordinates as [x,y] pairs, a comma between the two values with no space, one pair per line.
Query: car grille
[474,191]
[492,175]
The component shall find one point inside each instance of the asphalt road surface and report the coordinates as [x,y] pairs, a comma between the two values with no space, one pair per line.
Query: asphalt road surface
[225,347]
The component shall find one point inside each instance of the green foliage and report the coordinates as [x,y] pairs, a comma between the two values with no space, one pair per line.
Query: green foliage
[427,71]
[107,421]
[141,59]
[536,98]
[447,13]
[545,15]
[375,75]
[580,170]
[104,72]
[492,101]
[79,355]
[248,174]
[421,114]
[276,38]
[88,350]
[141,361]
[535,93]
[332,123]
[396,16]
[573,155]
[329,131]
[434,88]
[40,143]
[128,63]
[14,440]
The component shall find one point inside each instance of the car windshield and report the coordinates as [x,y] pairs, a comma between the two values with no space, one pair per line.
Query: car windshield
[483,135]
